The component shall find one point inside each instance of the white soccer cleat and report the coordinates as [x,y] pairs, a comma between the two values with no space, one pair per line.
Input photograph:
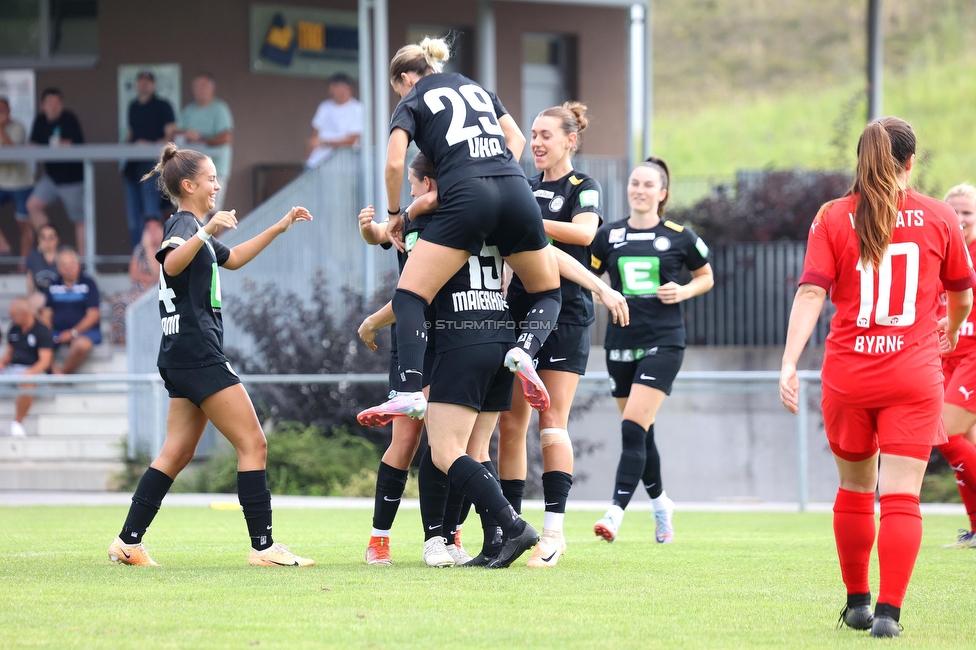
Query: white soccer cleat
[436,553]
[458,553]
[663,528]
[606,528]
[411,405]
[967,539]
[277,555]
[547,552]
[518,361]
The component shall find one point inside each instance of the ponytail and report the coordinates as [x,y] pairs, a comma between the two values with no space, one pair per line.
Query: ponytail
[424,58]
[885,147]
[173,166]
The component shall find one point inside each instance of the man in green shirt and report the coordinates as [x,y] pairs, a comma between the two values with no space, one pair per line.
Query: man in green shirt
[208,121]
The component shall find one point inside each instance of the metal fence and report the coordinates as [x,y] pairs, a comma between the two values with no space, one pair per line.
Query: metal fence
[752,297]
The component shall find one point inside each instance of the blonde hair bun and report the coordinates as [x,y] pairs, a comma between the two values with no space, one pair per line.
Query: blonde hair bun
[436,52]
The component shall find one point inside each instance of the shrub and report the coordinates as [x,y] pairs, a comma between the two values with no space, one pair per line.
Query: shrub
[767,206]
[293,337]
[301,460]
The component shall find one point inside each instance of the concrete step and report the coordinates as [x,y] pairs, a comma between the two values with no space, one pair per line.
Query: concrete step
[102,448]
[53,475]
[75,426]
[100,405]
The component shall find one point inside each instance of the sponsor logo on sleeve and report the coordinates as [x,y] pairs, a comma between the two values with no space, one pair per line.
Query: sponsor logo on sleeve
[702,248]
[589,198]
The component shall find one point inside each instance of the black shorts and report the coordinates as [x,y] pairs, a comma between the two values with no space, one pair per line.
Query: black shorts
[197,384]
[395,381]
[567,349]
[473,376]
[655,367]
[501,209]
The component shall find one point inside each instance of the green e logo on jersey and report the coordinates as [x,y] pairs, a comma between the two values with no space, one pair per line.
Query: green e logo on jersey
[214,287]
[640,276]
[410,241]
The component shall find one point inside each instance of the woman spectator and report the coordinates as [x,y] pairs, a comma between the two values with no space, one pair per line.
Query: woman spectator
[144,273]
[42,266]
[880,251]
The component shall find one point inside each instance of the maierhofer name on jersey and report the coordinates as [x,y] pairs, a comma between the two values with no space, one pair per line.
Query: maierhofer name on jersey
[475,300]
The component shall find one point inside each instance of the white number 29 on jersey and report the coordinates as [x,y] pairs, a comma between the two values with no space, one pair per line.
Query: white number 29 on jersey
[883,310]
[467,96]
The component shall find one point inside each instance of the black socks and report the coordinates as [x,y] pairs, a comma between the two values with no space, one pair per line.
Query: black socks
[390,483]
[539,322]
[514,490]
[433,497]
[146,500]
[411,336]
[480,486]
[631,466]
[652,466]
[555,489]
[452,513]
[255,498]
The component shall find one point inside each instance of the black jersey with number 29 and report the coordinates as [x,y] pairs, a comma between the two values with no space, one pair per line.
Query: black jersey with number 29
[454,121]
[189,302]
[639,262]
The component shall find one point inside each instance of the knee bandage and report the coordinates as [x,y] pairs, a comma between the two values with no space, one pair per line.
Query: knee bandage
[554,437]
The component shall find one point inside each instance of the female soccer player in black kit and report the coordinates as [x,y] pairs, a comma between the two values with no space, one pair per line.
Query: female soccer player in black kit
[201,384]
[571,206]
[644,256]
[474,144]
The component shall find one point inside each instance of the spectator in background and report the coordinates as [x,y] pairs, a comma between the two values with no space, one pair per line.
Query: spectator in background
[63,182]
[30,351]
[16,179]
[338,122]
[72,312]
[208,122]
[42,267]
[144,273]
[149,119]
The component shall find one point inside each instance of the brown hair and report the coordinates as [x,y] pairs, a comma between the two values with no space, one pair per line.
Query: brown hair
[883,150]
[659,165]
[423,58]
[173,166]
[422,167]
[572,119]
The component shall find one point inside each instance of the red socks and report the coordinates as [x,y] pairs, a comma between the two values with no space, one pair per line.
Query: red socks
[960,453]
[854,535]
[899,539]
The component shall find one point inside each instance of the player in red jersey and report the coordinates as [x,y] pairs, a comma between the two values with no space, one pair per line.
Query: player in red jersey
[959,368]
[880,251]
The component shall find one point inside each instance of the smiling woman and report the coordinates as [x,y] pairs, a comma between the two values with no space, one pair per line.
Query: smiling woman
[197,375]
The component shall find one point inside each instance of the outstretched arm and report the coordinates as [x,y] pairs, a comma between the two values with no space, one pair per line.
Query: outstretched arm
[396,153]
[573,271]
[244,253]
[179,258]
[513,136]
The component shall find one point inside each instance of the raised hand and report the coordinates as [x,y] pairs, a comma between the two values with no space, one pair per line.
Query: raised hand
[222,219]
[297,213]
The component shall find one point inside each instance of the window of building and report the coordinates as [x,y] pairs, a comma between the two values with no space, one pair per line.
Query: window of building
[48,33]
[548,75]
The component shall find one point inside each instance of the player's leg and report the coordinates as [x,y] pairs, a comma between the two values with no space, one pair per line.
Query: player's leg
[391,479]
[457,502]
[184,426]
[902,468]
[557,465]
[512,462]
[78,351]
[851,435]
[960,453]
[232,413]
[23,403]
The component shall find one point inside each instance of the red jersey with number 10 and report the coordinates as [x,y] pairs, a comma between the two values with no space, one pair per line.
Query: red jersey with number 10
[883,345]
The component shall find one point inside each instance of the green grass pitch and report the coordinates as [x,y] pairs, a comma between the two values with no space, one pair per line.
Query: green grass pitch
[730,580]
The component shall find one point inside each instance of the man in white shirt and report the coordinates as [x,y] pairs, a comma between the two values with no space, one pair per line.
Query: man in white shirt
[16,180]
[338,122]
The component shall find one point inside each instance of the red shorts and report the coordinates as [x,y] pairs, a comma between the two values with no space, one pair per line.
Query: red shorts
[856,432]
[960,380]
